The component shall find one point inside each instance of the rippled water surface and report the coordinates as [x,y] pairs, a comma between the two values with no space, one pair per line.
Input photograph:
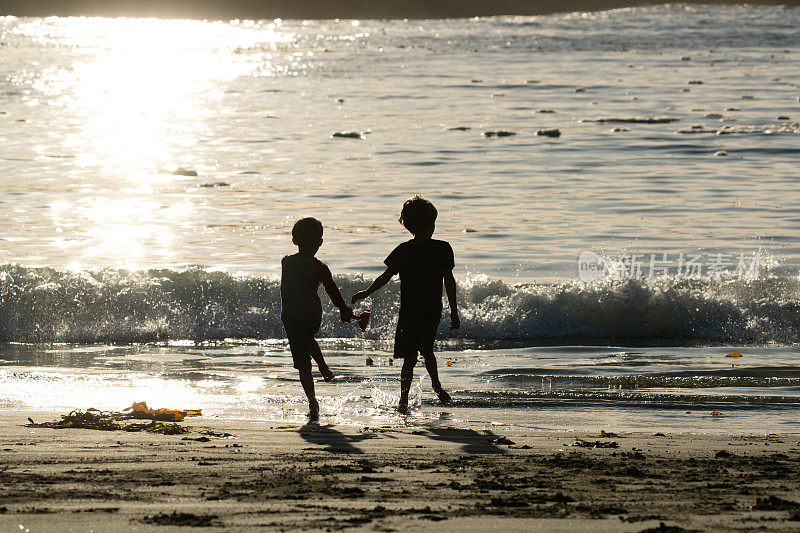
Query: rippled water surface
[151,171]
[556,388]
[96,118]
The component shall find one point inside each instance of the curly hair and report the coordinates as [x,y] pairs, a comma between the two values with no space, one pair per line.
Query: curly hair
[418,214]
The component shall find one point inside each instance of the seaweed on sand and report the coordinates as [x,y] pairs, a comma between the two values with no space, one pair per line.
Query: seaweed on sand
[109,421]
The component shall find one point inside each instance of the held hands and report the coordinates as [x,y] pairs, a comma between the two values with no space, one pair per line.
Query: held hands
[360,295]
[346,314]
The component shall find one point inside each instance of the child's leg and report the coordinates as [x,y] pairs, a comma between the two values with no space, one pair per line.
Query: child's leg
[308,387]
[406,376]
[316,355]
[433,372]
[301,344]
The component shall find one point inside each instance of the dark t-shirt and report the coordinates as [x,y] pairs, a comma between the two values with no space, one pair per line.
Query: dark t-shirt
[421,265]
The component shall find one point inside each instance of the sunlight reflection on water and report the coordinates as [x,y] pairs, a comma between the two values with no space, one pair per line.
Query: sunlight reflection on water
[103,109]
[141,93]
[492,387]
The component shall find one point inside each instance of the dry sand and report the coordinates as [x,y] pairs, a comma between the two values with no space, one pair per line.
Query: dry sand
[285,477]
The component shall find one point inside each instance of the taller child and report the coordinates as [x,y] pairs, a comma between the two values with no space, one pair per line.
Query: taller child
[423,264]
[301,309]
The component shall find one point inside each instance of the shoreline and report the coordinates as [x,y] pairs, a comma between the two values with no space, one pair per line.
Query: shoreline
[292,477]
[348,9]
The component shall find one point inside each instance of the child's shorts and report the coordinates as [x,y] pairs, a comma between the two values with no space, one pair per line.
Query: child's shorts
[414,337]
[301,339]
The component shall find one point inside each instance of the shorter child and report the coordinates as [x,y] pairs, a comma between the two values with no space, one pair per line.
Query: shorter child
[423,264]
[301,309]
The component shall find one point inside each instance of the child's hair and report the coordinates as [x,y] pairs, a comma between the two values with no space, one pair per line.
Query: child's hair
[307,231]
[418,214]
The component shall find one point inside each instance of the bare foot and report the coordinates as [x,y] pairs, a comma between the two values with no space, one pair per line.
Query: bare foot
[327,375]
[443,396]
[313,412]
[402,408]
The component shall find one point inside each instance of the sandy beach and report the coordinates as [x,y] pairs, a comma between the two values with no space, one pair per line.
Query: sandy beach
[612,192]
[319,477]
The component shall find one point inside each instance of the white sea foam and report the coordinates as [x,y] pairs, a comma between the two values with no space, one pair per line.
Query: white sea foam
[88,191]
[45,305]
[389,400]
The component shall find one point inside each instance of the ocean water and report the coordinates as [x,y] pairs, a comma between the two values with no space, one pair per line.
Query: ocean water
[676,167]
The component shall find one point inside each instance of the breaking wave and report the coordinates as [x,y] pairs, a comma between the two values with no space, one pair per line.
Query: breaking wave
[49,305]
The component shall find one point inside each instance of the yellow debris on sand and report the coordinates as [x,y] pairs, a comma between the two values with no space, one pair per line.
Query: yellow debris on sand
[113,420]
[141,411]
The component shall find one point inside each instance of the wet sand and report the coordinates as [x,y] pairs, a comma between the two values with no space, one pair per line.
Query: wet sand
[287,477]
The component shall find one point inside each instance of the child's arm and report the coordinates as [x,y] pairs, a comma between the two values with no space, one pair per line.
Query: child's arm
[450,289]
[325,276]
[379,282]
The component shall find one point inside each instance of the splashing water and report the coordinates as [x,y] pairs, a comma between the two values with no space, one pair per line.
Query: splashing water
[48,305]
[390,401]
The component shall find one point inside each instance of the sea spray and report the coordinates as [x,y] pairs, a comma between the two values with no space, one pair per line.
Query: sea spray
[50,305]
[388,400]
[334,405]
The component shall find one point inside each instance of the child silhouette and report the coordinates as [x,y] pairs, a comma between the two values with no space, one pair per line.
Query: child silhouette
[301,309]
[424,264]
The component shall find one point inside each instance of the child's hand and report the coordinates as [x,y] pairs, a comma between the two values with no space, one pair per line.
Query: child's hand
[346,314]
[360,295]
[455,321]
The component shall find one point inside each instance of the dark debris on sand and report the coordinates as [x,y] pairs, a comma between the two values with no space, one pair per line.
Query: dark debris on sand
[360,487]
[773,503]
[182,519]
[108,421]
[595,444]
[663,528]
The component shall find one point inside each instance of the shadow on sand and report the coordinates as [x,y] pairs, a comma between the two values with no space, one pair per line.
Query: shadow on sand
[471,441]
[333,440]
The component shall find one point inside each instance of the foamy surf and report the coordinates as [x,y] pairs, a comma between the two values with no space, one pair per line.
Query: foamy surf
[212,159]
[390,401]
[50,305]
